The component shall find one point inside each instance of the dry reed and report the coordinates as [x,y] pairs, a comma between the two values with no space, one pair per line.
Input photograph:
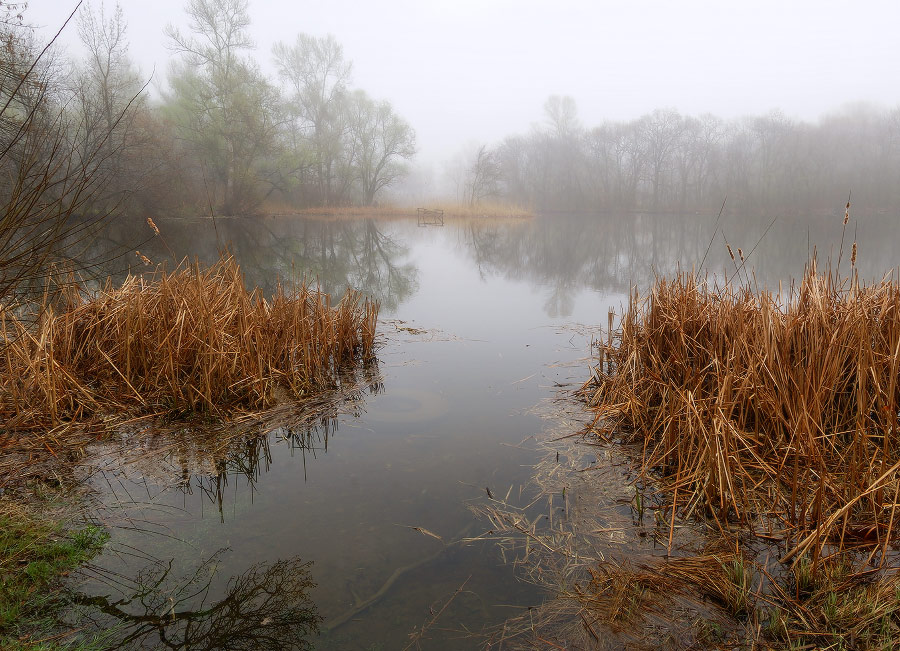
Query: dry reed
[452,210]
[836,610]
[775,411]
[482,209]
[191,340]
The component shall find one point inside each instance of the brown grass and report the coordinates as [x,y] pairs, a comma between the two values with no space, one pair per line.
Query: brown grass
[836,609]
[772,416]
[776,413]
[451,210]
[482,209]
[193,340]
[620,595]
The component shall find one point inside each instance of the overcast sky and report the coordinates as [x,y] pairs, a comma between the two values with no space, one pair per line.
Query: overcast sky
[464,71]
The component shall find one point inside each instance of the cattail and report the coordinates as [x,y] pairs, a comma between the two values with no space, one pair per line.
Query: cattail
[710,364]
[853,256]
[730,252]
[741,255]
[152,225]
[847,214]
[115,352]
[143,258]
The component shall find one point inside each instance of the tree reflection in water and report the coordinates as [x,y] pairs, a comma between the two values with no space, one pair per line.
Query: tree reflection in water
[612,253]
[337,254]
[266,607]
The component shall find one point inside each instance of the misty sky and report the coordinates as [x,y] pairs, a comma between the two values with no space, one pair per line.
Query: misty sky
[470,71]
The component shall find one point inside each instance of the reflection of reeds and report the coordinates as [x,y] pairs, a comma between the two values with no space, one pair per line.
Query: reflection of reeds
[749,404]
[190,340]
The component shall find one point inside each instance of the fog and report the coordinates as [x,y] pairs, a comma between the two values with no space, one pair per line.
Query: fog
[587,107]
[311,132]
[467,71]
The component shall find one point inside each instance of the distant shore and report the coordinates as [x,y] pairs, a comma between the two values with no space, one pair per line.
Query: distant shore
[388,211]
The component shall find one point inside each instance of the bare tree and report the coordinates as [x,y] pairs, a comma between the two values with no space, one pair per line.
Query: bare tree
[220,101]
[662,131]
[109,105]
[47,182]
[562,152]
[318,75]
[483,177]
[562,115]
[109,81]
[381,141]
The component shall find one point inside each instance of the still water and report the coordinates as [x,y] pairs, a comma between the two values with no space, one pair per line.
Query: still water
[219,544]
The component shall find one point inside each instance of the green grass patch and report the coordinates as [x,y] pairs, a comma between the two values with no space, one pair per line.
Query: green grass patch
[34,555]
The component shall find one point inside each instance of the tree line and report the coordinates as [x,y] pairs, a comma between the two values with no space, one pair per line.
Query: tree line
[666,161]
[222,138]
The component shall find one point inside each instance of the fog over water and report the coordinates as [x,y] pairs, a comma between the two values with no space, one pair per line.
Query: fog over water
[621,127]
[483,322]
[468,71]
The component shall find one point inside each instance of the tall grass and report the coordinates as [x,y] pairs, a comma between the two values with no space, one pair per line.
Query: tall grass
[190,340]
[774,410]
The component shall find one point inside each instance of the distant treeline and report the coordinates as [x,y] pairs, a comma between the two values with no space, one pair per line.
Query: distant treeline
[672,162]
[222,136]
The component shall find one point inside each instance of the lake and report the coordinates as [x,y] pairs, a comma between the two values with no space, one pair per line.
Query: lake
[483,323]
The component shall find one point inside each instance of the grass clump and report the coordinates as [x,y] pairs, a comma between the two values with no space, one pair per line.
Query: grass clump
[855,611]
[775,415]
[191,340]
[859,610]
[758,409]
[34,554]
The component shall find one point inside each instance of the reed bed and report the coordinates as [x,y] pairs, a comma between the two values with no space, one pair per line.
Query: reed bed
[482,209]
[758,427]
[615,585]
[190,340]
[452,210]
[777,411]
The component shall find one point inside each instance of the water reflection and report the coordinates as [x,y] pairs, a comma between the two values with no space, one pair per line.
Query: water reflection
[607,253]
[161,606]
[205,460]
[249,459]
[266,607]
[360,254]
[180,599]
[613,253]
[412,462]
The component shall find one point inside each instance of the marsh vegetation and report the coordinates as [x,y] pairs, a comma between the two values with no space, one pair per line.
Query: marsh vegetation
[226,346]
[208,478]
[186,341]
[772,417]
[753,428]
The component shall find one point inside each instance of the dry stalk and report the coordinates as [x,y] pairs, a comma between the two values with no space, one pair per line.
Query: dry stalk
[780,414]
[193,340]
